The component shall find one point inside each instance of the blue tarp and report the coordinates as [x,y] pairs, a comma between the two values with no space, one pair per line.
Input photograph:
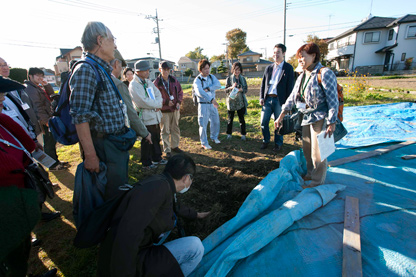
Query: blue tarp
[282,230]
[369,125]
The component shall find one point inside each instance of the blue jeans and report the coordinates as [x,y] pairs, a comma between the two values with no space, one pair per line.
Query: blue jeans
[188,251]
[271,105]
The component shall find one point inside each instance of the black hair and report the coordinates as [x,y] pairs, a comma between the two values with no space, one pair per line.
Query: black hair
[180,165]
[34,71]
[235,65]
[281,46]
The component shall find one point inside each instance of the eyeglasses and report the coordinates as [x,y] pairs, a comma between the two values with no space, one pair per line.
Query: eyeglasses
[4,65]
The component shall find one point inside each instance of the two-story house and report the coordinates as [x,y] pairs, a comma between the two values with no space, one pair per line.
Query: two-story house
[67,55]
[378,44]
[184,63]
[251,61]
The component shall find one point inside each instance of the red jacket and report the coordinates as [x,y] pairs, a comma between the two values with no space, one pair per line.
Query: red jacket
[175,89]
[12,160]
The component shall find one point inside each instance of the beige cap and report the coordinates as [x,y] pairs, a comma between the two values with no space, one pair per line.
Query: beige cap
[118,56]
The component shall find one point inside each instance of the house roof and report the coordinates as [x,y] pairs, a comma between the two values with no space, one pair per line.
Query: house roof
[403,19]
[185,59]
[386,48]
[375,22]
[256,63]
[248,53]
[65,51]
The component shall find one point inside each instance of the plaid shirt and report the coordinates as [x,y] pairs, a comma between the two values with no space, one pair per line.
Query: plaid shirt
[105,114]
[314,95]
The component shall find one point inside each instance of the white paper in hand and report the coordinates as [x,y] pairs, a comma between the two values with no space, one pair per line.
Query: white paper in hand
[326,145]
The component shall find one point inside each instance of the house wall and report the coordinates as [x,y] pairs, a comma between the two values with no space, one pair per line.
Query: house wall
[184,66]
[365,52]
[405,45]
[249,59]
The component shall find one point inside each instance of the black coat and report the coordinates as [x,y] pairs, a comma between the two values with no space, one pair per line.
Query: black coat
[284,86]
[145,212]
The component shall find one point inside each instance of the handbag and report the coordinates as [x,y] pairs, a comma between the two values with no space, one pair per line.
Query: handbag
[37,178]
[340,130]
[124,142]
[290,123]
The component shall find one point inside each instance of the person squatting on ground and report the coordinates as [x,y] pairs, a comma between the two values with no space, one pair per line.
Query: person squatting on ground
[42,104]
[276,86]
[96,119]
[148,101]
[134,245]
[204,86]
[172,95]
[135,122]
[236,102]
[318,103]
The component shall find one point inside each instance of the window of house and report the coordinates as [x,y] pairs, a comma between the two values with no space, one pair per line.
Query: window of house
[244,59]
[331,46]
[411,32]
[371,37]
[183,66]
[391,32]
[403,57]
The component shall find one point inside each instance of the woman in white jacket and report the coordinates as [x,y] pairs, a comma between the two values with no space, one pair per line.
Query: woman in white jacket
[148,102]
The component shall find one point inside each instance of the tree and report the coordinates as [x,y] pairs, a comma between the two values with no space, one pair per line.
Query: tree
[213,70]
[217,58]
[18,74]
[188,72]
[322,44]
[222,68]
[293,61]
[236,42]
[196,54]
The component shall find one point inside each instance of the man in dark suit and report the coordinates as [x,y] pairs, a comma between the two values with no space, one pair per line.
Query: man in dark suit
[277,84]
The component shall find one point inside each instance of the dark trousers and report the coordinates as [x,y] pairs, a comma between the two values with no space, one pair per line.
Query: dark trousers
[49,143]
[117,163]
[16,261]
[151,152]
[240,114]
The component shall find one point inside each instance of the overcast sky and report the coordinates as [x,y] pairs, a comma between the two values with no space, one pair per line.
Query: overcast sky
[33,31]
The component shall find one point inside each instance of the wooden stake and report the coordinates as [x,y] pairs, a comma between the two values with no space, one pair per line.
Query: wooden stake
[351,251]
[370,154]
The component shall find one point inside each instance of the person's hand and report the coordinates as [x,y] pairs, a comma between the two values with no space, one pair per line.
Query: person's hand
[92,163]
[262,102]
[178,106]
[149,138]
[38,146]
[278,122]
[240,90]
[214,102]
[156,110]
[235,84]
[171,103]
[202,215]
[206,90]
[44,82]
[330,130]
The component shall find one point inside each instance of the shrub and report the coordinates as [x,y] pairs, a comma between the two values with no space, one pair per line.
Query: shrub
[18,74]
[408,63]
[188,72]
[358,86]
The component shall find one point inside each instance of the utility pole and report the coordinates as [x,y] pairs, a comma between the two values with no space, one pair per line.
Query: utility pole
[156,19]
[265,53]
[284,25]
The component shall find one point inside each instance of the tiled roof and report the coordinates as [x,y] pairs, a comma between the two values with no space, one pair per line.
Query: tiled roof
[404,19]
[248,53]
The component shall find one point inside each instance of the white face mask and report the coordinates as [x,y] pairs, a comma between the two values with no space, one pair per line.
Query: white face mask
[185,189]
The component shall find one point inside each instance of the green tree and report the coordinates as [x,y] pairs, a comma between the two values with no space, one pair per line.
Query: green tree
[188,72]
[213,70]
[322,44]
[196,54]
[217,58]
[18,74]
[222,68]
[293,61]
[236,42]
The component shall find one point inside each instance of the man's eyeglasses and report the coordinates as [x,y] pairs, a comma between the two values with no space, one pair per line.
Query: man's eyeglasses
[4,65]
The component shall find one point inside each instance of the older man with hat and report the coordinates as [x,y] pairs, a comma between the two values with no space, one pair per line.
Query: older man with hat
[148,102]
[172,95]
[135,122]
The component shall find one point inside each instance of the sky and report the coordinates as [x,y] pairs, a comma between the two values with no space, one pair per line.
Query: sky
[34,31]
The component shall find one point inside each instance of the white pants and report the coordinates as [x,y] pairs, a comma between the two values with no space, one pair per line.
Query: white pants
[207,112]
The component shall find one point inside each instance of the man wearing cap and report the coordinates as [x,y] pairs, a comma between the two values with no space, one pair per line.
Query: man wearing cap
[148,102]
[172,95]
[135,122]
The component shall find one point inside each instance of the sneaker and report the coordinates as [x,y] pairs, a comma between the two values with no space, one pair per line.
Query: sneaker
[206,147]
[264,145]
[150,167]
[50,216]
[243,137]
[168,155]
[217,141]
[177,150]
[161,162]
[229,136]
[57,167]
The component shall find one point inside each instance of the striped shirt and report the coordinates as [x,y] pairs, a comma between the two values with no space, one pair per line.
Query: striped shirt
[314,95]
[105,114]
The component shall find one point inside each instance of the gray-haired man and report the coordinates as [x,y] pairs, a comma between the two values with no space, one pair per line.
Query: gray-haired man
[97,110]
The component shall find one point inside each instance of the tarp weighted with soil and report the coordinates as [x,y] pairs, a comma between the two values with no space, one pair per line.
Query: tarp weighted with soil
[282,230]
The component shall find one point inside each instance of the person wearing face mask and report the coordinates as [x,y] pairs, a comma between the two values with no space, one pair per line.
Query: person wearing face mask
[319,105]
[135,245]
